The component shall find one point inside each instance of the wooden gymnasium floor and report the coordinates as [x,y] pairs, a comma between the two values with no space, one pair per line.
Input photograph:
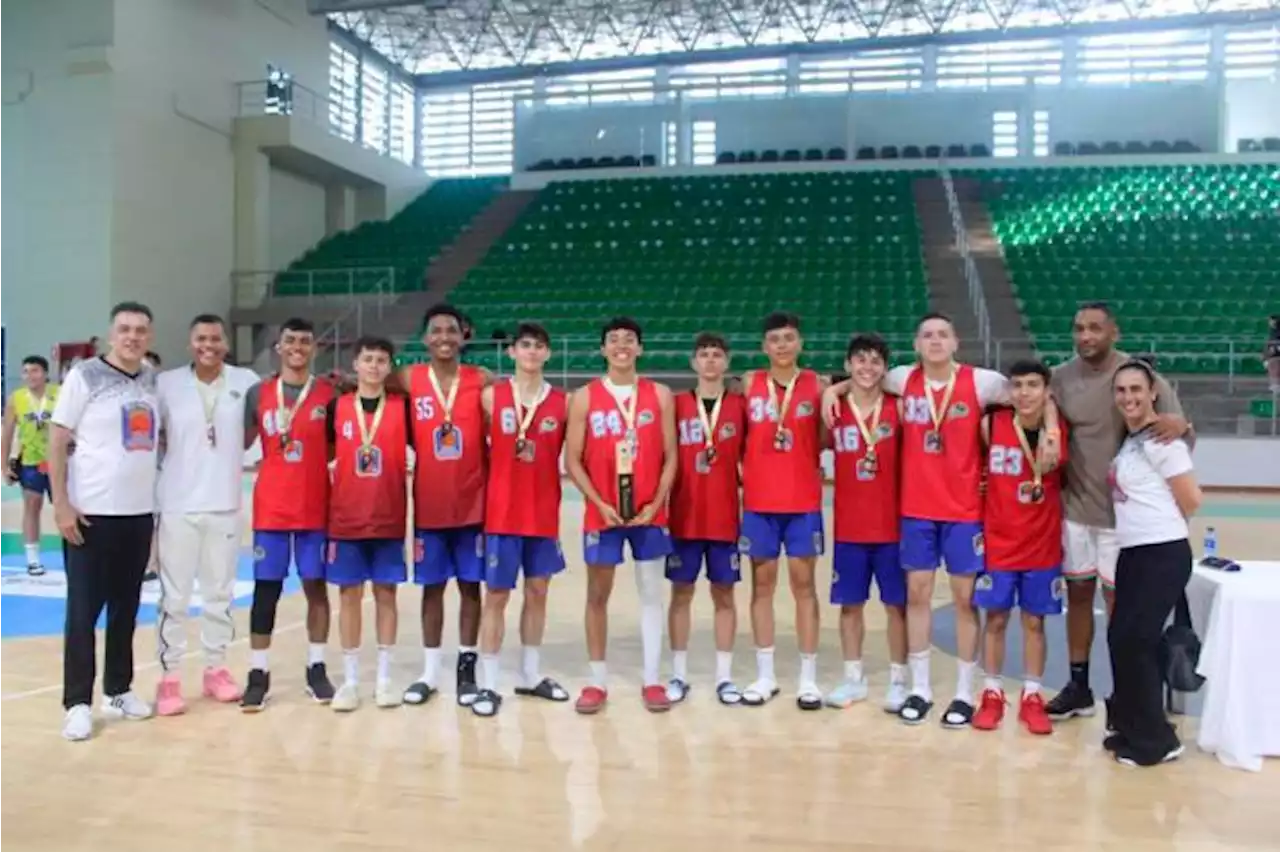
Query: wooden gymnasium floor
[541,778]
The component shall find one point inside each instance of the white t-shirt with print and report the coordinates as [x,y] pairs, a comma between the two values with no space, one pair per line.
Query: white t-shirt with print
[992,387]
[1146,511]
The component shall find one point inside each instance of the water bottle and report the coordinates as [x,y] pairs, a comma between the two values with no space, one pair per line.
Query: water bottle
[1210,543]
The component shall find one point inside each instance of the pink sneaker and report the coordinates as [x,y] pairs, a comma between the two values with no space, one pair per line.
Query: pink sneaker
[221,686]
[169,696]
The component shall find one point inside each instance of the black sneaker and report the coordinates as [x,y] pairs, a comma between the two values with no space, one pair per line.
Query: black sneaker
[1125,756]
[256,688]
[1073,700]
[468,690]
[318,685]
[35,569]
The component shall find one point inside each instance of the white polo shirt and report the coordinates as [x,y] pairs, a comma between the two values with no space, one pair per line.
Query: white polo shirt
[114,418]
[1146,510]
[197,475]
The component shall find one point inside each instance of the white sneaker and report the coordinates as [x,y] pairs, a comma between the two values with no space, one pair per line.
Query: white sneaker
[346,699]
[895,697]
[125,706]
[384,696]
[78,724]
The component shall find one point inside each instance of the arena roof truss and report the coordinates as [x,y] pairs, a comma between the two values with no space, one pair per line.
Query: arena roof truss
[441,36]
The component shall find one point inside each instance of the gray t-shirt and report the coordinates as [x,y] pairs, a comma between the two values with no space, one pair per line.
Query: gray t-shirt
[1096,429]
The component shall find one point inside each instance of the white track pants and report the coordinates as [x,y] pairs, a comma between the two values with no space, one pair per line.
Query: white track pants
[202,547]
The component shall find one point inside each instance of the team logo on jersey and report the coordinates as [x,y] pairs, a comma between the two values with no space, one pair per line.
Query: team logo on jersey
[979,545]
[645,418]
[548,424]
[804,409]
[446,444]
[727,431]
[884,430]
[318,413]
[958,410]
[985,583]
[137,427]
[1059,588]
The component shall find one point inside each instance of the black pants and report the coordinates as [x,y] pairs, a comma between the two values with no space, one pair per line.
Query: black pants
[1149,580]
[105,571]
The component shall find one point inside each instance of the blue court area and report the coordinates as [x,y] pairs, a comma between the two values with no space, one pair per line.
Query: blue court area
[35,606]
[1057,668]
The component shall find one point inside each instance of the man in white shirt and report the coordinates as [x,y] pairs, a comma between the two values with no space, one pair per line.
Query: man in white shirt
[199,494]
[103,499]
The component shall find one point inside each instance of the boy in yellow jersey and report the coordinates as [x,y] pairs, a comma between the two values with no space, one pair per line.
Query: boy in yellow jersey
[28,413]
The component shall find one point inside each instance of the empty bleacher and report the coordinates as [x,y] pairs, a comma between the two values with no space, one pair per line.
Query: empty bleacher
[688,254]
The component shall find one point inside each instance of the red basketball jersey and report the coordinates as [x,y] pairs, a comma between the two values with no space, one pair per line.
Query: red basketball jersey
[1020,534]
[449,467]
[606,427]
[369,501]
[704,498]
[523,494]
[942,486]
[783,480]
[866,510]
[292,488]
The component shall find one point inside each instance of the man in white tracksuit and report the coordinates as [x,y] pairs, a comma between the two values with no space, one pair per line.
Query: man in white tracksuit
[199,495]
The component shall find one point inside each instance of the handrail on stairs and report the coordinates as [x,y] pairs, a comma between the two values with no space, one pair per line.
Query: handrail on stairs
[333,334]
[977,297]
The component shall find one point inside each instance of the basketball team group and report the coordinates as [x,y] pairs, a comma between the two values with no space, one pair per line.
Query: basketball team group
[1030,489]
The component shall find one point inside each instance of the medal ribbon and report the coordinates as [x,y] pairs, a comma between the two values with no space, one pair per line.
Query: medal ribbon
[1036,475]
[369,431]
[42,408]
[446,401]
[785,405]
[870,432]
[285,414]
[209,394]
[709,421]
[525,416]
[629,410]
[938,413]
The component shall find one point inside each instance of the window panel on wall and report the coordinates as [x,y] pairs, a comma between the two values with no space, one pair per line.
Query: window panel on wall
[671,143]
[704,143]
[1252,53]
[374,109]
[1040,133]
[873,71]
[993,65]
[344,95]
[403,126]
[1004,134]
[1178,55]
[471,131]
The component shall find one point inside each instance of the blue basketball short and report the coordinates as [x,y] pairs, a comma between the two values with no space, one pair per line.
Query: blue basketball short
[1035,592]
[443,555]
[854,566]
[35,480]
[506,556]
[926,544]
[765,535]
[273,550]
[606,546]
[375,560]
[688,555]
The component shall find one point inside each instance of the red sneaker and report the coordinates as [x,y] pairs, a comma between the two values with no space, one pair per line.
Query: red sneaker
[655,698]
[990,710]
[1033,714]
[591,700]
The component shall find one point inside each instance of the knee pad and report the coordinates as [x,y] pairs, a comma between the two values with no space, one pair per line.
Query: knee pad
[262,614]
[650,575]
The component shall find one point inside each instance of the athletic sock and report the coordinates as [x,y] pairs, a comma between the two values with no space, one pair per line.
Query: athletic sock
[964,680]
[430,666]
[599,673]
[808,670]
[384,663]
[764,664]
[258,660]
[529,665]
[1080,674]
[919,663]
[464,649]
[33,553]
[649,579]
[993,683]
[853,670]
[315,653]
[351,664]
[1031,686]
[490,665]
[724,666]
[898,673]
[680,665]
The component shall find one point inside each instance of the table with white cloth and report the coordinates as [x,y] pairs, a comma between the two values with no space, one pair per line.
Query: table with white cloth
[1237,616]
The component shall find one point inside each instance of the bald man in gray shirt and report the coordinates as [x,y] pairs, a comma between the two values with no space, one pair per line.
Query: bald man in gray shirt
[1082,388]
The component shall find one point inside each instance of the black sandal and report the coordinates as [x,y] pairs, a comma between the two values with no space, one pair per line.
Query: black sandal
[677,690]
[487,703]
[728,693]
[959,714]
[546,689]
[419,692]
[915,710]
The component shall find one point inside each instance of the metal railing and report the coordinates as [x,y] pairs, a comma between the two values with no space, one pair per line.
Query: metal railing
[267,97]
[977,298]
[376,284]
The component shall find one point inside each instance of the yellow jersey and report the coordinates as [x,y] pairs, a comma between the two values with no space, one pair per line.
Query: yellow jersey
[32,417]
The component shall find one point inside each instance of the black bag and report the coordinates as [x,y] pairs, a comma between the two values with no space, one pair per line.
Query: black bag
[1180,651]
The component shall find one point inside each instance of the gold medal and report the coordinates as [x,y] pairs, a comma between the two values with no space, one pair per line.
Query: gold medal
[285,414]
[709,422]
[446,401]
[782,439]
[870,431]
[1036,492]
[525,418]
[938,413]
